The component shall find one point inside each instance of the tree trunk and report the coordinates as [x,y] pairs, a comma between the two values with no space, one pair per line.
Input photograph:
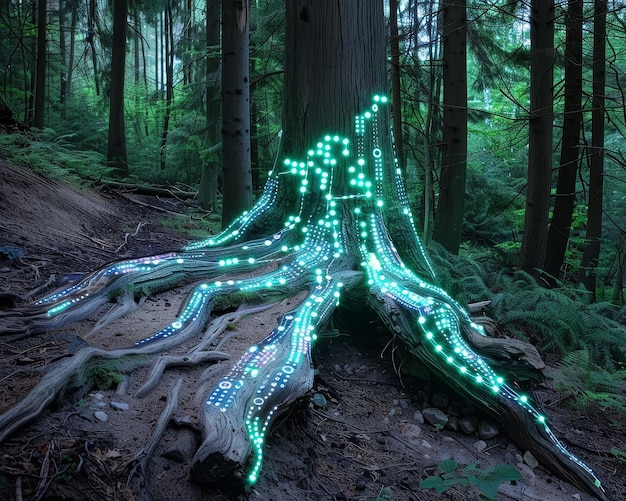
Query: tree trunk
[116,150]
[40,83]
[63,58]
[449,217]
[207,195]
[542,54]
[394,42]
[237,192]
[91,40]
[558,234]
[169,81]
[591,254]
[72,55]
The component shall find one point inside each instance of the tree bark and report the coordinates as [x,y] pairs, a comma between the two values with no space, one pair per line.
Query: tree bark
[169,81]
[449,217]
[394,42]
[542,54]
[116,149]
[591,254]
[558,234]
[237,191]
[207,194]
[40,79]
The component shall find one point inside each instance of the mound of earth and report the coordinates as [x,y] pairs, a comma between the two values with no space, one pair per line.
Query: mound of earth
[365,432]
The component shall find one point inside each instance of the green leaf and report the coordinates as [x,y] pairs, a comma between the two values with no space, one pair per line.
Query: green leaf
[502,473]
[448,465]
[436,483]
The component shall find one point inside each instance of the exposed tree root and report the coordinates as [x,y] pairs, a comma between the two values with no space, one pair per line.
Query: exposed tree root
[347,228]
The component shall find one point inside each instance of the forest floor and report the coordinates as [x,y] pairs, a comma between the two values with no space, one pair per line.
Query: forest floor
[359,435]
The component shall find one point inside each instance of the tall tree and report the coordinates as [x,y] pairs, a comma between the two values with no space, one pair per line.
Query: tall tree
[207,193]
[558,234]
[168,62]
[237,189]
[394,42]
[42,61]
[117,157]
[449,217]
[542,56]
[591,254]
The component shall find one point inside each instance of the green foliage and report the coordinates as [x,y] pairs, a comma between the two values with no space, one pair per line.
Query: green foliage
[52,156]
[452,474]
[586,382]
[102,375]
[385,494]
[620,455]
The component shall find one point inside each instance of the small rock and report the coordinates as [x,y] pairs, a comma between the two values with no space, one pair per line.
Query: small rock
[120,406]
[319,400]
[453,423]
[435,416]
[97,396]
[468,424]
[454,409]
[576,496]
[530,460]
[440,400]
[480,445]
[468,411]
[418,417]
[405,403]
[526,471]
[487,430]
[411,431]
[101,416]
[426,444]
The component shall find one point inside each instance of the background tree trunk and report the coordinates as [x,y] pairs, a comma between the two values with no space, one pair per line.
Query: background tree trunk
[449,217]
[40,82]
[542,54]
[237,189]
[116,150]
[394,42]
[168,33]
[558,234]
[207,193]
[589,263]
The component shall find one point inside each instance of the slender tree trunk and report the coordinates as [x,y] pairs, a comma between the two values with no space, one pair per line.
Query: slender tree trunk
[395,81]
[591,254]
[157,61]
[449,219]
[558,234]
[432,126]
[72,54]
[169,80]
[207,195]
[542,54]
[236,109]
[63,58]
[116,151]
[40,82]
[91,40]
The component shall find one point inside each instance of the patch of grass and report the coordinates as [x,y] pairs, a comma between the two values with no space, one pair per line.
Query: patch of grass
[452,474]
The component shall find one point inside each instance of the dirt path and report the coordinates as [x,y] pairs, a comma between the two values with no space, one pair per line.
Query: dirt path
[360,434]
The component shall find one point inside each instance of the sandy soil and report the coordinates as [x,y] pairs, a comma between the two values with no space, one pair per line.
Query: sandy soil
[359,435]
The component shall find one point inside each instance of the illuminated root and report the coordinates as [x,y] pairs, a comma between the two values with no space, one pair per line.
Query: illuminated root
[350,197]
[268,378]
